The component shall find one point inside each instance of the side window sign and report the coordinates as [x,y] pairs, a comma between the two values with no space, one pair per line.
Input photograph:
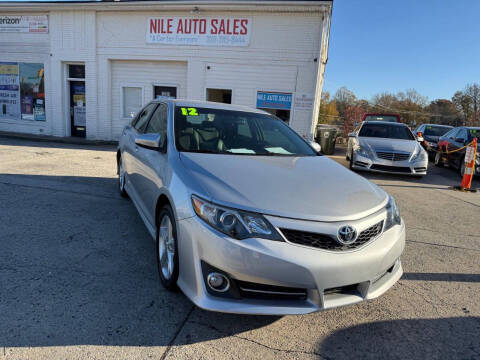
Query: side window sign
[189,111]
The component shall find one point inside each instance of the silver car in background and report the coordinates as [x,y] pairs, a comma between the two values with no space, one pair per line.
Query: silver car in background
[248,218]
[386,147]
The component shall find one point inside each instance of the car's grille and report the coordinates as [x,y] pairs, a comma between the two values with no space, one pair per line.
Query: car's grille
[328,242]
[392,156]
[398,169]
[251,290]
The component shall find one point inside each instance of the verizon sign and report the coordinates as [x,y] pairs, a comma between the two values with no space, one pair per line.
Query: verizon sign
[211,31]
[24,24]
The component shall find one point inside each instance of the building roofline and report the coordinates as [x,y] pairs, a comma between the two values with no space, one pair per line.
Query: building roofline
[213,5]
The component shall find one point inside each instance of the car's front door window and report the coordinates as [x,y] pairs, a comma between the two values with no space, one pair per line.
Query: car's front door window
[158,122]
[142,120]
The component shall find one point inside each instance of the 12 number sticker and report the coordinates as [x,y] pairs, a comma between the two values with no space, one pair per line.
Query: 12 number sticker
[189,111]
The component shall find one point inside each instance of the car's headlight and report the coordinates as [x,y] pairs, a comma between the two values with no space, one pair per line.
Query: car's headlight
[237,224]
[420,155]
[393,214]
[364,151]
[431,144]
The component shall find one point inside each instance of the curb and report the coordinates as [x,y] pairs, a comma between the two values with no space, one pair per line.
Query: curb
[55,139]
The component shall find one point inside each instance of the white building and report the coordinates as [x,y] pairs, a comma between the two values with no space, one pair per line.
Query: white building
[82,68]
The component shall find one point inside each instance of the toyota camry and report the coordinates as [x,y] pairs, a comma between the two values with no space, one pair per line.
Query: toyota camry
[248,217]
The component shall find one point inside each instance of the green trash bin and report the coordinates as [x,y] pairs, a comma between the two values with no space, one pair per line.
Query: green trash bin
[326,137]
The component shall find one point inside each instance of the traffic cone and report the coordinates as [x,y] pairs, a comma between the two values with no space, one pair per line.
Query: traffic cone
[470,156]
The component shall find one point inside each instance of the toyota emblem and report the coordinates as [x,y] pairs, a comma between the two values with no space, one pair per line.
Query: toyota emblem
[347,235]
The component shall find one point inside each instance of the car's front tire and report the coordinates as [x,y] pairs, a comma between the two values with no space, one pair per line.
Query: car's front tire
[438,159]
[167,248]
[350,165]
[462,167]
[121,179]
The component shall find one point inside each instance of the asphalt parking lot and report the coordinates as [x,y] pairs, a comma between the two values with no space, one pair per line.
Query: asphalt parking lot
[78,276]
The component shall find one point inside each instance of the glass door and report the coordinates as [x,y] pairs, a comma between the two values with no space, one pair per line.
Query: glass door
[76,82]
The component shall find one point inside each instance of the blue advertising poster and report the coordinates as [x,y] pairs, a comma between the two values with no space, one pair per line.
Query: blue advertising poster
[273,100]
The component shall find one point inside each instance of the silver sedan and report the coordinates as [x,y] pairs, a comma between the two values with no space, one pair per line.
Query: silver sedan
[386,147]
[247,216]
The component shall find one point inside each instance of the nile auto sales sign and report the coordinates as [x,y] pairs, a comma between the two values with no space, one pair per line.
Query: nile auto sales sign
[211,31]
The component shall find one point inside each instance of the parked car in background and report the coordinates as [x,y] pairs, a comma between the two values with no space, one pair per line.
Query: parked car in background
[248,218]
[430,134]
[381,117]
[386,147]
[456,139]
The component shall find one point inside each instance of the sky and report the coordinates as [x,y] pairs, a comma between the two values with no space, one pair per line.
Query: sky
[432,46]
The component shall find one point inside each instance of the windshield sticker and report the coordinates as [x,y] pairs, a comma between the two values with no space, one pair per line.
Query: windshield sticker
[278,150]
[189,111]
[241,151]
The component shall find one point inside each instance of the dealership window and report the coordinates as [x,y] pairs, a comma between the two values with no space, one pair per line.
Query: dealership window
[276,103]
[22,91]
[219,95]
[132,98]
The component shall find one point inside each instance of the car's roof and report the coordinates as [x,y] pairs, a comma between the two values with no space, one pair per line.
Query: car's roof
[385,123]
[472,127]
[210,104]
[439,125]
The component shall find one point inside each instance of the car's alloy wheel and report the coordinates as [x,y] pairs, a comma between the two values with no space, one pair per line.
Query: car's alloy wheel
[167,249]
[121,179]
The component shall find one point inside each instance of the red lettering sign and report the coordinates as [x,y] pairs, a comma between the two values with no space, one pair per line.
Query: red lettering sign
[208,31]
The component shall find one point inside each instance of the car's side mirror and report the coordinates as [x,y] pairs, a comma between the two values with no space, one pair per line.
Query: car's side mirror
[149,141]
[316,146]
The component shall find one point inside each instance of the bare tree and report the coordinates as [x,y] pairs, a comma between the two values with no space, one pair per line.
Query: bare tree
[344,98]
[473,92]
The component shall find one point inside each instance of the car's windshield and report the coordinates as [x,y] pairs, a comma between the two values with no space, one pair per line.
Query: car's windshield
[474,132]
[389,118]
[432,130]
[389,131]
[218,131]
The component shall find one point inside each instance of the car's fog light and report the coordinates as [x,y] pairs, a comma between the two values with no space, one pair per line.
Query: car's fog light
[218,282]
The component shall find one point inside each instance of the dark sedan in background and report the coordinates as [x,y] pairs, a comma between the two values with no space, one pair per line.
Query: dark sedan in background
[455,139]
[431,134]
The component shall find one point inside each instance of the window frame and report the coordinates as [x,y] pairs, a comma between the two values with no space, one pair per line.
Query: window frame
[122,101]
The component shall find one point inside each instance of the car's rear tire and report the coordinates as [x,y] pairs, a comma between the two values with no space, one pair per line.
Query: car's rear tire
[438,159]
[167,249]
[121,179]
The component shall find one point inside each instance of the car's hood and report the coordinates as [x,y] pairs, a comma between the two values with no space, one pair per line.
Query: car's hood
[382,144]
[431,138]
[312,188]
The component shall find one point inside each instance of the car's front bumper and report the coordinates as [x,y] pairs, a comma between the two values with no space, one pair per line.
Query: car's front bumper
[371,269]
[405,167]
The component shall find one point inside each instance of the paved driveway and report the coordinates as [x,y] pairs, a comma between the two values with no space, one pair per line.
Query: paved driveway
[78,276]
